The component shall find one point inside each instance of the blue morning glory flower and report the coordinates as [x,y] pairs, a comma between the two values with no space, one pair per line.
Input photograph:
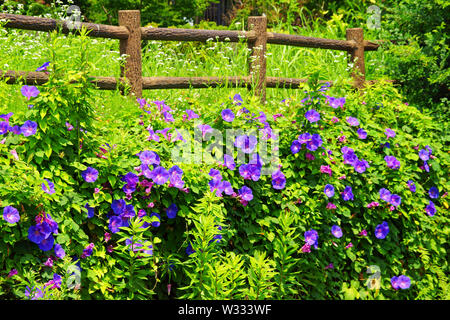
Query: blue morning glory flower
[59,251]
[229,162]
[311,238]
[246,193]
[158,222]
[295,146]
[353,121]
[159,175]
[28,128]
[43,67]
[336,231]
[29,91]
[347,194]
[90,211]
[172,211]
[149,157]
[227,115]
[392,162]
[90,175]
[312,115]
[278,180]
[51,187]
[329,190]
[382,230]
[11,214]
[430,209]
[362,134]
[433,192]
[385,194]
[118,206]
[47,243]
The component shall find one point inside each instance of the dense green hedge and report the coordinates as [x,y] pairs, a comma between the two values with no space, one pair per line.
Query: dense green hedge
[269,236]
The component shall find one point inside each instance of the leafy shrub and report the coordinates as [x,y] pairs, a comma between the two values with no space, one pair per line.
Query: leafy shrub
[185,233]
[420,58]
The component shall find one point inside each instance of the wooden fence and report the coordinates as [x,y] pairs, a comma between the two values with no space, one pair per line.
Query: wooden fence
[130,34]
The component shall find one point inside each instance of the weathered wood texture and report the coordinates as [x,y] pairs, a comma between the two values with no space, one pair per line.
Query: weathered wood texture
[45,24]
[172,34]
[257,59]
[357,56]
[132,70]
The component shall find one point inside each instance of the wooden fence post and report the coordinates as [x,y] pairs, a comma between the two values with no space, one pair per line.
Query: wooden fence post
[357,56]
[131,19]
[257,59]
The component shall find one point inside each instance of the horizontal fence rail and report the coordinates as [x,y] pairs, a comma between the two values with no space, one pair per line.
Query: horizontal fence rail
[111,83]
[130,33]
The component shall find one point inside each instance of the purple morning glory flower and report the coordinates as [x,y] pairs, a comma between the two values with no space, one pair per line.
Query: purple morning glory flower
[149,157]
[329,190]
[362,134]
[29,91]
[215,184]
[336,231]
[227,115]
[237,99]
[87,252]
[385,194]
[131,179]
[311,238]
[304,137]
[246,143]
[172,211]
[361,166]
[255,172]
[159,175]
[36,234]
[430,209]
[165,135]
[246,193]
[229,162]
[168,117]
[336,102]
[278,180]
[118,206]
[314,143]
[389,133]
[244,171]
[382,230]
[43,67]
[51,187]
[226,187]
[295,146]
[90,175]
[400,282]
[47,243]
[412,186]
[353,121]
[392,162]
[215,174]
[59,251]
[4,126]
[11,214]
[204,128]
[424,154]
[347,194]
[433,192]
[395,200]
[312,115]
[191,114]
[115,223]
[128,212]
[175,171]
[28,128]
